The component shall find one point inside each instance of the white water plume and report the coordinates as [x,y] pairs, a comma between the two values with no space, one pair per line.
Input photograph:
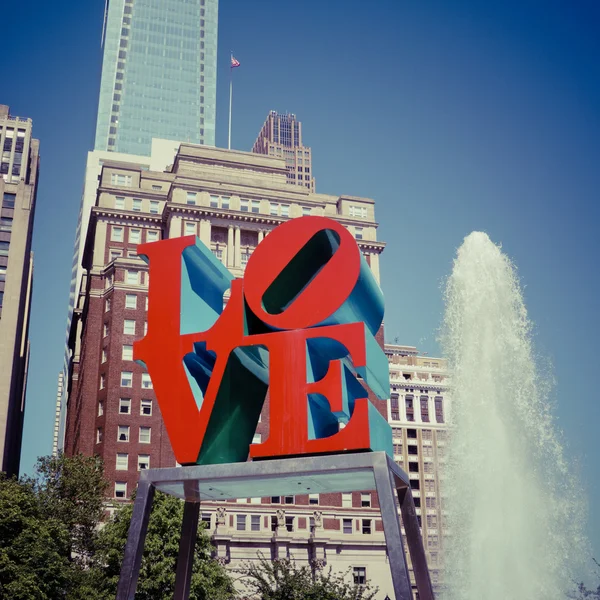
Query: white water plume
[515,512]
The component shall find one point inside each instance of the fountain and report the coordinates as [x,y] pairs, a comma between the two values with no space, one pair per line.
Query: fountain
[515,510]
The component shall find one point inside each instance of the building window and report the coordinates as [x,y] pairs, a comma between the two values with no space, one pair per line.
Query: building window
[289,523]
[365,500]
[125,406]
[347,500]
[257,438]
[255,522]
[413,467]
[245,257]
[116,234]
[414,450]
[275,499]
[146,408]
[114,254]
[98,435]
[132,277]
[143,462]
[131,302]
[358,233]
[191,198]
[439,410]
[244,204]
[410,410]
[424,408]
[122,461]
[146,302]
[154,207]
[129,327]
[430,502]
[102,381]
[119,202]
[121,179]
[120,489]
[127,352]
[347,526]
[358,211]
[305,211]
[411,434]
[104,355]
[313,498]
[145,435]
[285,210]
[146,381]
[100,408]
[240,522]
[214,201]
[123,433]
[107,305]
[366,526]
[190,229]
[126,379]
[255,206]
[105,330]
[288,499]
[360,575]
[206,519]
[152,235]
[225,202]
[135,236]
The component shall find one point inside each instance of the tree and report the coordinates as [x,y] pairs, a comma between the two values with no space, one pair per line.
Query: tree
[71,490]
[583,593]
[284,580]
[210,581]
[34,562]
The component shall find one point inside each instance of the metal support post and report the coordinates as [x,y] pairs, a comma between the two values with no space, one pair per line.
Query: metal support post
[187,543]
[132,560]
[391,528]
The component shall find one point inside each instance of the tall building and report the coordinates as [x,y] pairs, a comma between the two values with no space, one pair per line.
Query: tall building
[281,136]
[158,85]
[159,74]
[418,413]
[18,186]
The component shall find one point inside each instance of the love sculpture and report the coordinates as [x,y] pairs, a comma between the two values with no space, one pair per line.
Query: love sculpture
[301,323]
[298,328]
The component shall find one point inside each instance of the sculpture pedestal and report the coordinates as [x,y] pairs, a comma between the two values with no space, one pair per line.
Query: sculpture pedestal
[280,477]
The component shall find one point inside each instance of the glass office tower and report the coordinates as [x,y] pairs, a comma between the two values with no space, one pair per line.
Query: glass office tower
[158,74]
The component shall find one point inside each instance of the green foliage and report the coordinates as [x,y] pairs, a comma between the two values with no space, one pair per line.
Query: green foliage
[33,546]
[72,489]
[284,580]
[157,575]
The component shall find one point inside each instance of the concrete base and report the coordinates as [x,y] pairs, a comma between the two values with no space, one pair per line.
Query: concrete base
[279,477]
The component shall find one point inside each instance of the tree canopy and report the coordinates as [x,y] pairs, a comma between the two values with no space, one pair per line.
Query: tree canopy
[284,580]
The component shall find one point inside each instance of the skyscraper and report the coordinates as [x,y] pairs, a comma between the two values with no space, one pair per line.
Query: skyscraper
[18,186]
[281,136]
[159,73]
[158,82]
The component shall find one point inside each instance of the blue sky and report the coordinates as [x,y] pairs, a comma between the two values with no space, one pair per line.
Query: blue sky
[453,116]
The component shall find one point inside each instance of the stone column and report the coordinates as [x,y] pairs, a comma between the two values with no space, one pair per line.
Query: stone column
[238,248]
[261,235]
[374,261]
[175,227]
[100,243]
[230,250]
[205,232]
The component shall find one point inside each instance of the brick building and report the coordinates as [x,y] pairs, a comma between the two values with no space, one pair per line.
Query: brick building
[230,200]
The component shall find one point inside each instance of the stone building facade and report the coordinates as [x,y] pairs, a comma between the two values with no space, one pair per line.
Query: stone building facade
[19,166]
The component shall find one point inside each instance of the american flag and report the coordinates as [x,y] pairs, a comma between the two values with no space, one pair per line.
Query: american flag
[234,62]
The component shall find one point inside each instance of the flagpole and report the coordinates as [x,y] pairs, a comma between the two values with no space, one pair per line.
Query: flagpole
[230,99]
